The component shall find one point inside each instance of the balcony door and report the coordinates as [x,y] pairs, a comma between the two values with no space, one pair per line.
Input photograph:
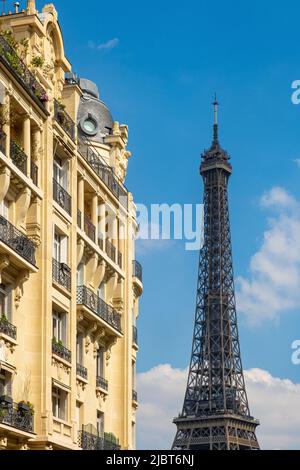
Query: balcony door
[60,247]
[59,326]
[100,363]
[60,172]
[100,424]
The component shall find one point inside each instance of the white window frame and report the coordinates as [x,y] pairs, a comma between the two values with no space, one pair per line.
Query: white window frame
[100,365]
[59,326]
[59,403]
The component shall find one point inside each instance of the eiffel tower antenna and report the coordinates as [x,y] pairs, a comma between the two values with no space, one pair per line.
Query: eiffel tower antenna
[215,412]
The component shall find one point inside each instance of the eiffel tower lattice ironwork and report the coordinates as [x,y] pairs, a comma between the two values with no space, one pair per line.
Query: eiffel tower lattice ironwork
[215,413]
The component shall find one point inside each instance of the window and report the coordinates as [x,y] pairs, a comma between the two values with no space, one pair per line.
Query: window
[100,363]
[5,383]
[100,424]
[59,320]
[5,302]
[101,291]
[80,275]
[60,172]
[59,403]
[79,348]
[133,375]
[60,244]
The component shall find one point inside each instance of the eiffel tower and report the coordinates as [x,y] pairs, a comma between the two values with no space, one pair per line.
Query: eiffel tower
[215,413]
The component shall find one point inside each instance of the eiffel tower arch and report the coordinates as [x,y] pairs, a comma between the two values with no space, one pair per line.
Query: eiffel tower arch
[215,414]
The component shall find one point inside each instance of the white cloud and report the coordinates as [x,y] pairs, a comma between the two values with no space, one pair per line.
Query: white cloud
[297,161]
[110,44]
[272,287]
[274,401]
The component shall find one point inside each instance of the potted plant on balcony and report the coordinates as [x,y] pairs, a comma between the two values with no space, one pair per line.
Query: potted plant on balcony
[6,402]
[26,407]
[4,319]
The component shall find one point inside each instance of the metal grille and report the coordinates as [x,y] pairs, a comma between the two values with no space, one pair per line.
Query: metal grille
[102,383]
[13,238]
[12,416]
[18,156]
[7,328]
[110,250]
[107,313]
[134,395]
[81,371]
[64,120]
[34,173]
[89,228]
[62,197]
[88,441]
[137,270]
[61,351]
[135,335]
[61,273]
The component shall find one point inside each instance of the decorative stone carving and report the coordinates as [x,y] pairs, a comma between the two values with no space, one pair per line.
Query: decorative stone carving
[4,263]
[4,182]
[109,348]
[19,286]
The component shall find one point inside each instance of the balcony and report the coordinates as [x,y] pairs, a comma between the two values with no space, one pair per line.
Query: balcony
[104,171]
[10,58]
[61,273]
[134,335]
[89,441]
[59,350]
[134,396]
[14,416]
[81,371]
[137,270]
[7,328]
[89,299]
[15,240]
[18,156]
[101,383]
[89,228]
[110,250]
[34,173]
[62,197]
[64,120]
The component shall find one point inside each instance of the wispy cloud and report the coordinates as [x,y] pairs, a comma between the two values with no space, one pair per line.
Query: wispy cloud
[297,161]
[105,46]
[161,393]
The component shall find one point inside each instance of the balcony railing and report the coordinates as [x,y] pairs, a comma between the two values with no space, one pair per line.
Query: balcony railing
[7,328]
[81,371]
[2,141]
[137,270]
[101,383]
[61,351]
[17,67]
[11,415]
[18,156]
[88,441]
[89,228]
[134,335]
[134,396]
[104,171]
[64,120]
[13,238]
[34,171]
[61,273]
[100,241]
[107,313]
[61,196]
[110,250]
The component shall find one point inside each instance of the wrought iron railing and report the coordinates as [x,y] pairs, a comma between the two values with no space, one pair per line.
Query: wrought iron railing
[61,273]
[7,328]
[61,351]
[89,299]
[2,141]
[34,172]
[89,441]
[105,172]
[101,383]
[11,59]
[137,270]
[12,416]
[110,250]
[61,196]
[89,228]
[79,218]
[134,396]
[100,241]
[134,335]
[18,156]
[18,242]
[64,120]
[81,371]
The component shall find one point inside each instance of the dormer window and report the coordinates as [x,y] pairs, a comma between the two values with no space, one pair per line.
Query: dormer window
[89,125]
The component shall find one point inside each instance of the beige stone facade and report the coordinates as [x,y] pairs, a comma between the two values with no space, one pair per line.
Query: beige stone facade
[70,285]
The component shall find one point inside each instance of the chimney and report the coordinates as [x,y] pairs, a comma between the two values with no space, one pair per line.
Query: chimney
[17,5]
[31,9]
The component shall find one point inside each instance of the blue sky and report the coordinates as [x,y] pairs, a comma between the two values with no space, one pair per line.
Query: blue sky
[165,61]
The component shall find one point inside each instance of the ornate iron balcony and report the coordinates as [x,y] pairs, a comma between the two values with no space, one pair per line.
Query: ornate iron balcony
[100,241]
[12,61]
[81,371]
[137,270]
[107,313]
[88,441]
[18,156]
[61,273]
[134,396]
[110,250]
[34,173]
[102,383]
[89,228]
[11,415]
[13,238]
[61,196]
[104,171]
[64,120]
[60,350]
[7,328]
[134,335]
